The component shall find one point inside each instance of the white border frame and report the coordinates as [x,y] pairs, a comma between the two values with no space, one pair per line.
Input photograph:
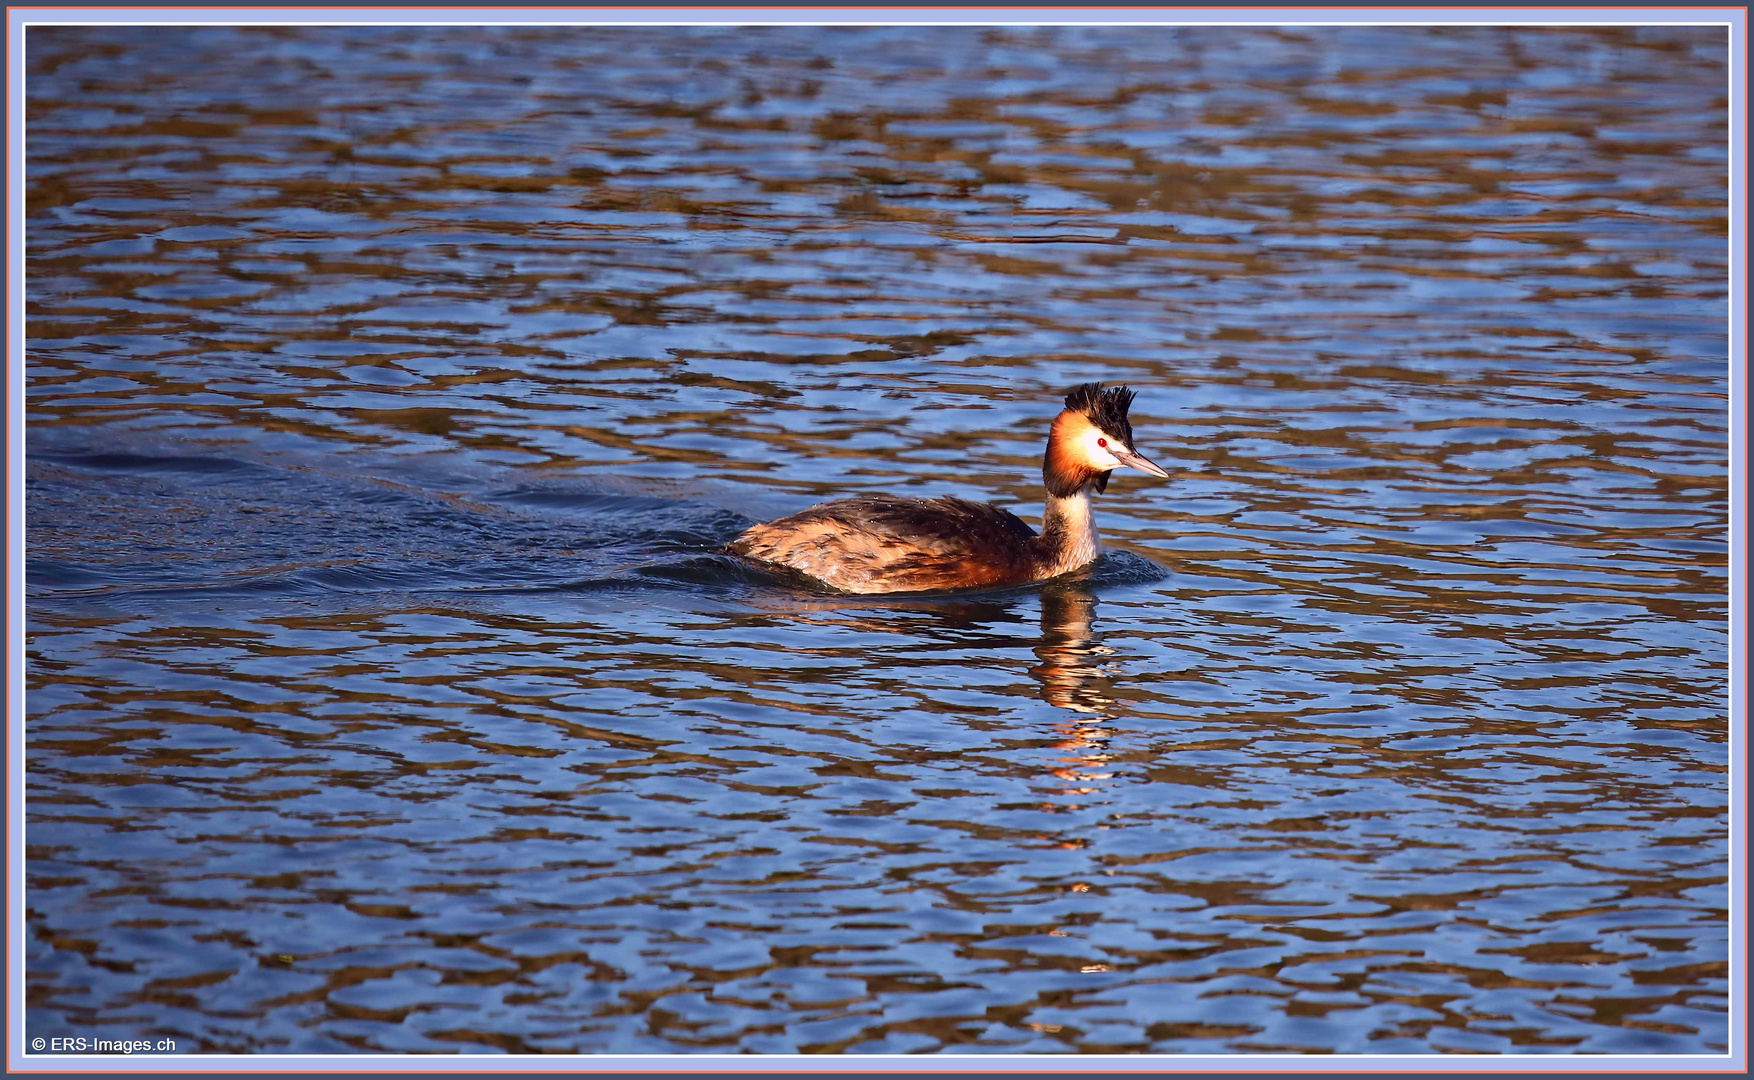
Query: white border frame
[19,20]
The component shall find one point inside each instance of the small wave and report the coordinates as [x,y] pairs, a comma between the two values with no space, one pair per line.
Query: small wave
[651,521]
[591,502]
[1127,568]
[148,463]
[705,572]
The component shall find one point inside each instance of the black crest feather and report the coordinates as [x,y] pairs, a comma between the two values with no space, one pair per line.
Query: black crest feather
[1107,409]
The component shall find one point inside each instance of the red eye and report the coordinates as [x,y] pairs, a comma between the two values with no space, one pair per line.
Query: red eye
[1102,442]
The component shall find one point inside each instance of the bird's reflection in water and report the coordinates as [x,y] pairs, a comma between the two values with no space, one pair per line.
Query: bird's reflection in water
[1070,657]
[1070,651]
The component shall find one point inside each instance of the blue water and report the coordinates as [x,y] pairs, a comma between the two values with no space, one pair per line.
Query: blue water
[393,391]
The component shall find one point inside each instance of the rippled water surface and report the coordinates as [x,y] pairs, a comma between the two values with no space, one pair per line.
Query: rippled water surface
[391,392]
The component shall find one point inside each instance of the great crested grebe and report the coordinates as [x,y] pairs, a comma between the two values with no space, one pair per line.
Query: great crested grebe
[883,544]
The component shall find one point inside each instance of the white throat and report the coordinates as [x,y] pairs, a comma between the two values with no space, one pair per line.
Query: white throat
[1068,522]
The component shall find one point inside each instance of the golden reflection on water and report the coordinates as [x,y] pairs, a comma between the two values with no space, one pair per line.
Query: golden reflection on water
[1070,655]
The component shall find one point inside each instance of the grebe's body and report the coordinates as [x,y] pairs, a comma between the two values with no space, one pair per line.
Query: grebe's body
[883,544]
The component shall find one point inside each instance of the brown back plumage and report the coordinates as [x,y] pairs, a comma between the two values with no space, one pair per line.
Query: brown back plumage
[879,543]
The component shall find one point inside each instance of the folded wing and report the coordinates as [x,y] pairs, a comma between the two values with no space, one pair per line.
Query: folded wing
[885,544]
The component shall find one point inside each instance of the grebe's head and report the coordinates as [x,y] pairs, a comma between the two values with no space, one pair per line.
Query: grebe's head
[1091,438]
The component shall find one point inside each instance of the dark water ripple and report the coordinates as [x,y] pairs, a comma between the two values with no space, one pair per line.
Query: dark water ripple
[391,390]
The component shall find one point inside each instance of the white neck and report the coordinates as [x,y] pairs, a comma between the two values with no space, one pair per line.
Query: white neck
[1068,532]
